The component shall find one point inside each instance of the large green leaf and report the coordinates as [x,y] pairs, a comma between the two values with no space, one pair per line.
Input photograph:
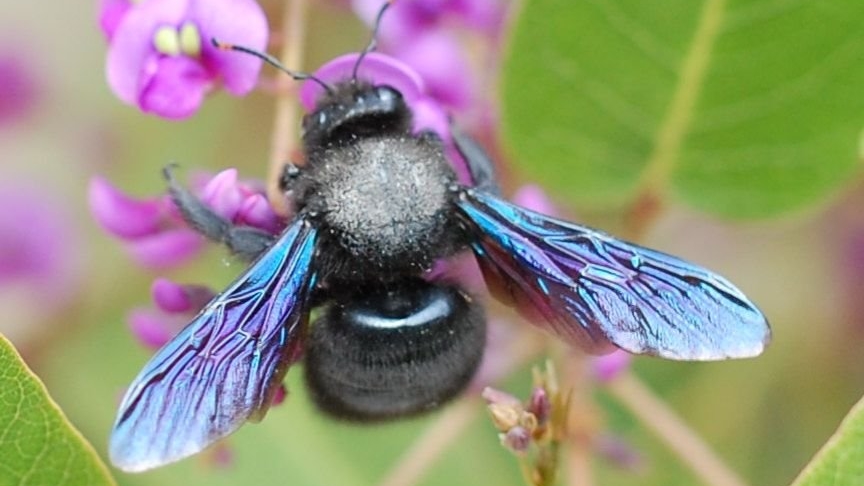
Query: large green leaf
[38,446]
[743,108]
[841,460]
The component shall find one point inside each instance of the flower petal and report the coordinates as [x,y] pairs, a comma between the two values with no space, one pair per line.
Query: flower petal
[150,327]
[166,249]
[534,198]
[256,211]
[175,298]
[379,68]
[223,194]
[132,44]
[111,13]
[176,88]
[120,214]
[440,61]
[240,22]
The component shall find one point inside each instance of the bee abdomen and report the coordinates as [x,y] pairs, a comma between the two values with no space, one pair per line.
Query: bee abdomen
[389,352]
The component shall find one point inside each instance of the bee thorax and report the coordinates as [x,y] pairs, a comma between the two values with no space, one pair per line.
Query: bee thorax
[385,203]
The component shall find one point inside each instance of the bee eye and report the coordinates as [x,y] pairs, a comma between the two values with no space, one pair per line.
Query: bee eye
[384,353]
[385,94]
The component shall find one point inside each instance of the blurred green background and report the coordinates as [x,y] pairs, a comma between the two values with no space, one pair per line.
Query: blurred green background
[765,417]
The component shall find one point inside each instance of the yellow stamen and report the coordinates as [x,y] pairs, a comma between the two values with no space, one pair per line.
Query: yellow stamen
[166,41]
[190,40]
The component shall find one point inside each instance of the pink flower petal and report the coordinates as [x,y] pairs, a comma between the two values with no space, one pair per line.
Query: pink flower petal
[111,13]
[166,249]
[534,198]
[240,22]
[175,298]
[382,69]
[430,116]
[440,60]
[120,214]
[256,211]
[606,368]
[176,87]
[132,44]
[169,296]
[223,194]
[150,327]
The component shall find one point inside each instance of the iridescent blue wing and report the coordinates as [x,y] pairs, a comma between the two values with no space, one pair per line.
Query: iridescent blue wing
[597,292]
[222,369]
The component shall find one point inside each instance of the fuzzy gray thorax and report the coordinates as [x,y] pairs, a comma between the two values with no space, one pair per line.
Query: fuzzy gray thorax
[385,201]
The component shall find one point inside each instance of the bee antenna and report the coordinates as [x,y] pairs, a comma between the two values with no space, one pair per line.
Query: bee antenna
[373,42]
[297,75]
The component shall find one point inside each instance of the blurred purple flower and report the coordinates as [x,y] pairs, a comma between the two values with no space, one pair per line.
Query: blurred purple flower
[111,12]
[608,367]
[37,243]
[383,70]
[156,235]
[441,63]
[160,58]
[533,197]
[421,34]
[428,112]
[19,87]
[175,306]
[407,18]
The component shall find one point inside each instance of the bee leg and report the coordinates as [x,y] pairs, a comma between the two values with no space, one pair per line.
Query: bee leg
[245,242]
[479,163]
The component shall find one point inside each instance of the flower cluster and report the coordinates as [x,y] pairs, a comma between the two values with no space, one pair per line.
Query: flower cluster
[160,57]
[426,36]
[152,229]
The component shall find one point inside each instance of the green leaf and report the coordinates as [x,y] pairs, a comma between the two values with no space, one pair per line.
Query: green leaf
[742,108]
[841,460]
[38,445]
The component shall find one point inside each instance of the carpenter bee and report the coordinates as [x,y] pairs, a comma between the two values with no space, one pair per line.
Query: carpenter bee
[376,206]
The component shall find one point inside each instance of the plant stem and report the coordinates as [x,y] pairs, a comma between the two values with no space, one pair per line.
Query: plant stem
[423,453]
[429,446]
[283,140]
[579,424]
[655,414]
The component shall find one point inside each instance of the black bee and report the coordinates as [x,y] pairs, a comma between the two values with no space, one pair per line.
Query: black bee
[376,206]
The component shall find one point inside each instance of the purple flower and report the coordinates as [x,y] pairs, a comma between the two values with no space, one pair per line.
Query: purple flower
[410,17]
[155,234]
[175,306]
[111,12]
[19,87]
[421,34]
[160,58]
[38,248]
[608,367]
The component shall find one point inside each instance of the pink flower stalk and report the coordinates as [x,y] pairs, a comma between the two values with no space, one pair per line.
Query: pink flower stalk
[160,57]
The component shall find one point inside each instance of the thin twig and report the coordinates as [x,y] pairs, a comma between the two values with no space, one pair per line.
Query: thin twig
[429,446]
[423,453]
[283,141]
[580,426]
[655,414]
